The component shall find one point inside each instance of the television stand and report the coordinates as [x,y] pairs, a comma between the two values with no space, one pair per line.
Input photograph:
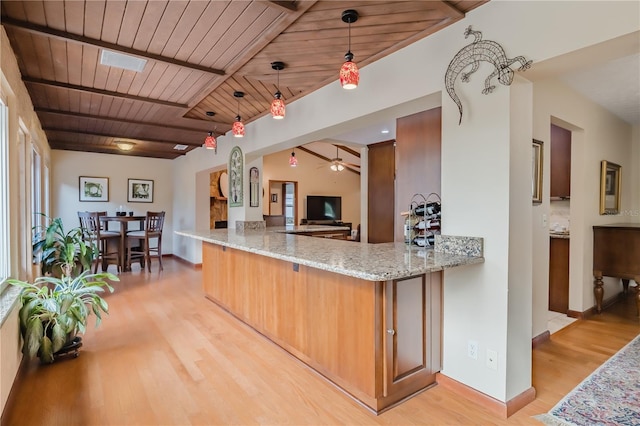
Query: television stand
[326,222]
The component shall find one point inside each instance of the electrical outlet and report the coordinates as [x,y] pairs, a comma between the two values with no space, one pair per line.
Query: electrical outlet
[472,349]
[544,220]
[492,359]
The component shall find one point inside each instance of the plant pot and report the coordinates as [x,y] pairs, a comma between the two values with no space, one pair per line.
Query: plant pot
[70,349]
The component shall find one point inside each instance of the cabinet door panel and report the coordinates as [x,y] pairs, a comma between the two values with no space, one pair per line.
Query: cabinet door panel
[412,337]
[408,340]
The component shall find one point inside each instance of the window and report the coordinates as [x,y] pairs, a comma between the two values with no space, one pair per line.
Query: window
[5,252]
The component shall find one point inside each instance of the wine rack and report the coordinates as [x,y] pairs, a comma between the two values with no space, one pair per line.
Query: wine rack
[423,220]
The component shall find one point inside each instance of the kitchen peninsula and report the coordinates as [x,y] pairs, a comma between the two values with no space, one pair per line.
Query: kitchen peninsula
[365,316]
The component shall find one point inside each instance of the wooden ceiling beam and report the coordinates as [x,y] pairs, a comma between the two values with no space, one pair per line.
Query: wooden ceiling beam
[65,36]
[137,123]
[105,149]
[77,88]
[349,150]
[322,157]
[285,6]
[123,138]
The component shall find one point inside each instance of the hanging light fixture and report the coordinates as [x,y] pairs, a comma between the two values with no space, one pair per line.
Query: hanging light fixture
[210,141]
[337,167]
[349,73]
[293,161]
[336,163]
[277,105]
[238,127]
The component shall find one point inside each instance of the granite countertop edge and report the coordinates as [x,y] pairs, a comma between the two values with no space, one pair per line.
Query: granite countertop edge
[371,262]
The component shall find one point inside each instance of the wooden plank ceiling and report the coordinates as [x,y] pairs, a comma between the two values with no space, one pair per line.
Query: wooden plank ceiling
[198,53]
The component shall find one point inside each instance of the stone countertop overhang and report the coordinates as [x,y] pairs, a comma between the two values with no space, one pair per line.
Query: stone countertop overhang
[372,262]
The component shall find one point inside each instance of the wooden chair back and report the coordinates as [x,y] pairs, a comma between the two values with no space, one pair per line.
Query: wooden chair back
[154,222]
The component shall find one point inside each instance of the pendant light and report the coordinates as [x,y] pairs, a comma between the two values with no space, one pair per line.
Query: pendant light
[210,141]
[349,73]
[277,105]
[238,127]
[293,161]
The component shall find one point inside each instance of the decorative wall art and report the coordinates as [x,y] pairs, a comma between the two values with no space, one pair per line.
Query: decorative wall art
[610,177]
[93,188]
[536,181]
[236,165]
[254,186]
[471,56]
[139,191]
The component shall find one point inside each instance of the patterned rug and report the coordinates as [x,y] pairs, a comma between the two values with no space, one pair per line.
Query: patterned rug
[609,396]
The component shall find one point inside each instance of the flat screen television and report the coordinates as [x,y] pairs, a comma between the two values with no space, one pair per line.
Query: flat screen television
[322,207]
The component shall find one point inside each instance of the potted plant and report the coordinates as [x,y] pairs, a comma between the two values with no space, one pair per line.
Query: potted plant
[60,252]
[56,306]
[54,310]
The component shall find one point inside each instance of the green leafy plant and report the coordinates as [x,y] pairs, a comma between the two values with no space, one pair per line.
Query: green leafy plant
[62,252]
[54,310]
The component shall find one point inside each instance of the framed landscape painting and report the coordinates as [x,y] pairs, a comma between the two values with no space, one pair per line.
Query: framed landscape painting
[140,191]
[93,188]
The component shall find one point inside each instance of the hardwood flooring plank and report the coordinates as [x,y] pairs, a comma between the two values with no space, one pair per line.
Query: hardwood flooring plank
[165,355]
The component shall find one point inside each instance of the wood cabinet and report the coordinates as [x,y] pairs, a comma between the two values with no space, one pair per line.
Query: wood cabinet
[418,160]
[560,162]
[559,275]
[381,192]
[335,323]
[412,340]
[616,251]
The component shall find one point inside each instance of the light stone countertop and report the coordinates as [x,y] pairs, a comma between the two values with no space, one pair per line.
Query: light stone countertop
[372,262]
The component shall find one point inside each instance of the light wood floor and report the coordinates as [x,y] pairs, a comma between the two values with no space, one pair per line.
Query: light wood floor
[167,356]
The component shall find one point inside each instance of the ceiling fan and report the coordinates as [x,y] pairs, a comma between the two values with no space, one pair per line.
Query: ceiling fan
[337,165]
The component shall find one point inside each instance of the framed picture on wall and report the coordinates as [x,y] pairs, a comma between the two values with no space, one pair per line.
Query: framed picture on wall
[536,181]
[254,186]
[236,166]
[139,191]
[610,179]
[93,188]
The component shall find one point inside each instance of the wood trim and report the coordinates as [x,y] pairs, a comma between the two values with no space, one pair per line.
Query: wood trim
[103,135]
[77,88]
[125,121]
[498,408]
[65,36]
[540,339]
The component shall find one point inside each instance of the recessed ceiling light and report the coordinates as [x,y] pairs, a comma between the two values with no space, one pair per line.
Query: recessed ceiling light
[120,60]
[385,131]
[180,147]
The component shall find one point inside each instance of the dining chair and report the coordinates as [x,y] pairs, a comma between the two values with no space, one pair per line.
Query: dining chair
[153,224]
[92,232]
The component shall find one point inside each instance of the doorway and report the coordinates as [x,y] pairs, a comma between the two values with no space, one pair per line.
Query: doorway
[283,200]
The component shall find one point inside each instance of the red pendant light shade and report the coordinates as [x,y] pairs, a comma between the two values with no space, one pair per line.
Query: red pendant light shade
[238,127]
[349,73]
[293,161]
[277,105]
[210,141]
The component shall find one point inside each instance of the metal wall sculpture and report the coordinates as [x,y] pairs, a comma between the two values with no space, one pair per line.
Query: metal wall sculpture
[471,55]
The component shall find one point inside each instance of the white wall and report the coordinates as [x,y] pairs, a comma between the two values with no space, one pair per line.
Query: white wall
[481,185]
[70,165]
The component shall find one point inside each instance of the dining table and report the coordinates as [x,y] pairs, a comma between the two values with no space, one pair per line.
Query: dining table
[124,222]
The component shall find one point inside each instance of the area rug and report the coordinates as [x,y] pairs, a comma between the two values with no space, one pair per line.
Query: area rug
[609,396]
